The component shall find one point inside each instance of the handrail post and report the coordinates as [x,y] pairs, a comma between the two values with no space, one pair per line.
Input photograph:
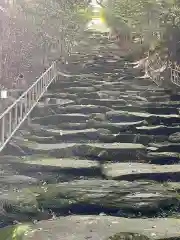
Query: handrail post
[21,111]
[16,116]
[10,123]
[2,129]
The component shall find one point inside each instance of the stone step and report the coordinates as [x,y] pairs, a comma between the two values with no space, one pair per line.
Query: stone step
[166,147]
[175,97]
[76,96]
[135,171]
[99,151]
[139,138]
[52,96]
[17,181]
[71,84]
[155,119]
[174,104]
[84,109]
[146,87]
[100,227]
[109,87]
[79,108]
[56,119]
[163,158]
[44,135]
[150,110]
[85,83]
[42,168]
[157,130]
[101,102]
[72,121]
[78,89]
[121,95]
[141,83]
[141,115]
[39,139]
[158,98]
[118,197]
[115,127]
[62,126]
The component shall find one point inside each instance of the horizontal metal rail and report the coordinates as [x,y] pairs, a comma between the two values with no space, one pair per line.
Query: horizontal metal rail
[12,118]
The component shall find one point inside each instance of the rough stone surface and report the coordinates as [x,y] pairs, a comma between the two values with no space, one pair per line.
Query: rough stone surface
[102,228]
[101,142]
[123,197]
[134,171]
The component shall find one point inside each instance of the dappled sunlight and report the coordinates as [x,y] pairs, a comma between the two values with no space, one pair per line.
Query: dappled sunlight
[97,23]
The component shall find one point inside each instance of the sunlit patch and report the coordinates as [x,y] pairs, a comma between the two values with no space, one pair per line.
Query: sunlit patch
[2,9]
[97,22]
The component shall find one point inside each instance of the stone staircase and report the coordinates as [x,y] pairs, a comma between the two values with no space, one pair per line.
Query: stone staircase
[98,144]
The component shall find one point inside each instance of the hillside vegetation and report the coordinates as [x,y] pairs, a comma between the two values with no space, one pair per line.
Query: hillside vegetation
[146,29]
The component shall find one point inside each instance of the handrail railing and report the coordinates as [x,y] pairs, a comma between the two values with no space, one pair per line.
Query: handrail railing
[12,118]
[175,75]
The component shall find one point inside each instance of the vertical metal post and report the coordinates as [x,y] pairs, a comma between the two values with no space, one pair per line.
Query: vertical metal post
[49,76]
[42,85]
[35,92]
[2,129]
[32,94]
[29,99]
[39,89]
[10,123]
[55,71]
[21,111]
[25,104]
[44,80]
[16,116]
[45,77]
[172,79]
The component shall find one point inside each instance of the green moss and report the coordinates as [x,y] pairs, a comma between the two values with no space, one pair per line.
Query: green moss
[16,232]
[128,236]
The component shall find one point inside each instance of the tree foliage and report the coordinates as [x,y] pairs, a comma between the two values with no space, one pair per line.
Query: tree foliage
[152,21]
[34,33]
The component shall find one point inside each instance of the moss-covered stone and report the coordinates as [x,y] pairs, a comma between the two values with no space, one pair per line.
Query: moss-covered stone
[128,236]
[145,198]
[15,232]
[95,227]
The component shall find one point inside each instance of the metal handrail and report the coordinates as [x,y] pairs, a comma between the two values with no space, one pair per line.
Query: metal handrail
[12,118]
[175,75]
